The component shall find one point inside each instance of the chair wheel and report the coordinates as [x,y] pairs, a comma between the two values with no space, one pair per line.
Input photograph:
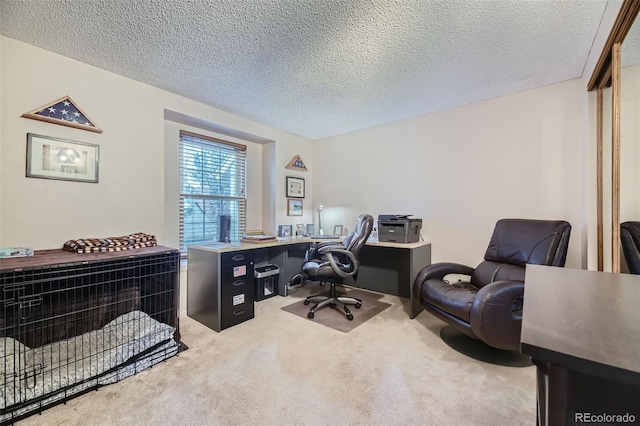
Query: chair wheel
[358,305]
[310,315]
[350,317]
[306,302]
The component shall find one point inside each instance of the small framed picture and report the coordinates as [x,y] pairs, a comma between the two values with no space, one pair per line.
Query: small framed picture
[295,208]
[300,228]
[284,230]
[295,187]
[55,158]
[337,230]
[309,228]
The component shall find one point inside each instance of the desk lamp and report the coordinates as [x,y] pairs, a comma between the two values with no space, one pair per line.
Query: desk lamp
[320,207]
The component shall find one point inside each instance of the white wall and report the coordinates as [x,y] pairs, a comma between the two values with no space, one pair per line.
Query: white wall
[463,169]
[629,144]
[629,148]
[131,194]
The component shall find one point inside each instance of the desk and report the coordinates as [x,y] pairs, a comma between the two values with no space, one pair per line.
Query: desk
[391,268]
[384,267]
[581,329]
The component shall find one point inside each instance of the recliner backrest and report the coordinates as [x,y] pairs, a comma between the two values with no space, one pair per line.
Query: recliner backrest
[522,241]
[630,238]
[516,242]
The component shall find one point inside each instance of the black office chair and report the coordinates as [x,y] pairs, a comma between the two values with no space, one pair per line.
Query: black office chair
[335,262]
[630,238]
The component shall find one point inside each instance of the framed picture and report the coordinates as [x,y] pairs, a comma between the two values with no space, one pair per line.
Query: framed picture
[284,230]
[295,208]
[54,158]
[295,187]
[309,228]
[300,228]
[337,230]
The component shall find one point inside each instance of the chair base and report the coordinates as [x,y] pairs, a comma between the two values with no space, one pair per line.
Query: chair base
[480,351]
[332,300]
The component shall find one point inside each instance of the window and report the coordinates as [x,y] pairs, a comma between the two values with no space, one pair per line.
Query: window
[213,180]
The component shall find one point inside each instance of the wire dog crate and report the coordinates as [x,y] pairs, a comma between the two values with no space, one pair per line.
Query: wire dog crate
[72,322]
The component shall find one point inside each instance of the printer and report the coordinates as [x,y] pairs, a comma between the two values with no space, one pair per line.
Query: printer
[395,228]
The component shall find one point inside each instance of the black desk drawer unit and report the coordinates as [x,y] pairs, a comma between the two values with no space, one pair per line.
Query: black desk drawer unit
[236,288]
[234,311]
[220,287]
[237,272]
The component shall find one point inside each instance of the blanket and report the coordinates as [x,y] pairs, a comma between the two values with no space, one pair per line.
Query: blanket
[125,346]
[103,245]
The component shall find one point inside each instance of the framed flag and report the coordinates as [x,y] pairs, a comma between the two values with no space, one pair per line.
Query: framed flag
[296,163]
[54,158]
[63,111]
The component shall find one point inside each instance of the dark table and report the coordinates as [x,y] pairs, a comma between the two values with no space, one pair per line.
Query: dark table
[582,331]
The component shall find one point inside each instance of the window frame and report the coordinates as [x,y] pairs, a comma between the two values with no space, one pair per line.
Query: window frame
[219,147]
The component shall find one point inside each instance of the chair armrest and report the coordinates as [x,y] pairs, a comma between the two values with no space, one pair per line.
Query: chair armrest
[328,254]
[440,270]
[496,314]
[313,251]
[334,243]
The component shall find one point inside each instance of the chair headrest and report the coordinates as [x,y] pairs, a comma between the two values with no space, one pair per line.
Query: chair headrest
[522,241]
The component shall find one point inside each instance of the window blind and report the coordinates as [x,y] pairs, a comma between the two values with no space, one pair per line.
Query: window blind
[213,185]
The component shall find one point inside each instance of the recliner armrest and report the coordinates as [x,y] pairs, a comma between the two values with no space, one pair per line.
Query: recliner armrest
[440,270]
[496,314]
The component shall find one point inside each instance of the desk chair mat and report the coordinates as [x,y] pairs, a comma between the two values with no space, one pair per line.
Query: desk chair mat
[335,318]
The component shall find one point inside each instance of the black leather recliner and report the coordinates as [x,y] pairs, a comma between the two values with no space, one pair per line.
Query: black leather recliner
[630,239]
[488,307]
[334,261]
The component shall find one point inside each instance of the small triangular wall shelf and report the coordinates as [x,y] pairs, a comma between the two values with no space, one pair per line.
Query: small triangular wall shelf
[63,111]
[296,164]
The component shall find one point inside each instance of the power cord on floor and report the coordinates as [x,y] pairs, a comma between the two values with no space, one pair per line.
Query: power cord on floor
[296,282]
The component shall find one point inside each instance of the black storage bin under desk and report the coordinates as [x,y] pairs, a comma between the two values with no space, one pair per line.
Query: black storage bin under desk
[266,281]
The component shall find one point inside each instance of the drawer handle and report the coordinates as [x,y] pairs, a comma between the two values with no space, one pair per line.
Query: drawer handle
[237,258]
[238,283]
[240,312]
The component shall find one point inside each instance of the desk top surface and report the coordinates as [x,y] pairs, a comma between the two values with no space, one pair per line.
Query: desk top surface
[589,315]
[237,246]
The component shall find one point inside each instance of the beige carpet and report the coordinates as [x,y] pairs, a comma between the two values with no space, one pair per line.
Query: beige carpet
[278,370]
[335,318]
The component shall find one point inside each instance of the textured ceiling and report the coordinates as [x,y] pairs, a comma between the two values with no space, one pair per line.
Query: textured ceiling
[320,68]
[631,45]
